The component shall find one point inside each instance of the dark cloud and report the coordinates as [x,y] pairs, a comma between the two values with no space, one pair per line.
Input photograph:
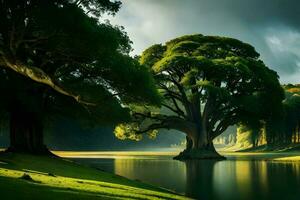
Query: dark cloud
[272,26]
[258,12]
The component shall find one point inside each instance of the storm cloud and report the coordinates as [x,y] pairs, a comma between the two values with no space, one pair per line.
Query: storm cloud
[271,26]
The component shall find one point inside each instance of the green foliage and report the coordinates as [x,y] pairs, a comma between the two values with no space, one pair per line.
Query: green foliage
[244,139]
[281,127]
[292,110]
[216,81]
[65,46]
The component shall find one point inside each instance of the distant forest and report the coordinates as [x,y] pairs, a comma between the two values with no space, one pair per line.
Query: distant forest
[281,133]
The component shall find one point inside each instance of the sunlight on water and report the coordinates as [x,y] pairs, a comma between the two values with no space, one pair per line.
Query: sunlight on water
[114,154]
[223,172]
[248,176]
[296,169]
[243,177]
[263,175]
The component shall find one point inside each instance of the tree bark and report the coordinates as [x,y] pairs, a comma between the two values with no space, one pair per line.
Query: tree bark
[26,133]
[199,146]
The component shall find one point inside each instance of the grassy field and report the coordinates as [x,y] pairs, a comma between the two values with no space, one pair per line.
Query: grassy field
[37,177]
[263,148]
[289,158]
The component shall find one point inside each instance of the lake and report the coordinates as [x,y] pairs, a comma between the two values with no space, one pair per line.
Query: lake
[241,176]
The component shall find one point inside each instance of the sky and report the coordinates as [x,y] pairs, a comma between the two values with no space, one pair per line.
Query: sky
[271,26]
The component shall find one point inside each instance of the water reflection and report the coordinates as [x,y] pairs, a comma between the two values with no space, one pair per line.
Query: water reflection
[226,180]
[242,180]
[164,173]
[199,179]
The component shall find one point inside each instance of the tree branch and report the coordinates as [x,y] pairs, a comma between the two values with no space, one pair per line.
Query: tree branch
[177,111]
[151,128]
[40,76]
[167,122]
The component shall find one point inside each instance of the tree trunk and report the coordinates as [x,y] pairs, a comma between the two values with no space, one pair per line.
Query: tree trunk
[199,146]
[26,133]
[189,143]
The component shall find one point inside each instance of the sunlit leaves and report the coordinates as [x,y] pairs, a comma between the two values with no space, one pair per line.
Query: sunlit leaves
[152,55]
[127,131]
[224,69]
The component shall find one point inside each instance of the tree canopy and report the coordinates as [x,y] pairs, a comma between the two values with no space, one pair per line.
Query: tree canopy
[208,83]
[56,43]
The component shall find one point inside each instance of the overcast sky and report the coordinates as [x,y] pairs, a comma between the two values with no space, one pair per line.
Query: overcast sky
[271,26]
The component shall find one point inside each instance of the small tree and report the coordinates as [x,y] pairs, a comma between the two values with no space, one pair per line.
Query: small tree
[208,84]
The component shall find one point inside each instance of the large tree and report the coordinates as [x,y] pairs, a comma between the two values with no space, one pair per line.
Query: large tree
[57,58]
[208,83]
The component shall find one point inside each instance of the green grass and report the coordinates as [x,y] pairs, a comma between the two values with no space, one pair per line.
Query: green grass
[274,148]
[55,178]
[288,158]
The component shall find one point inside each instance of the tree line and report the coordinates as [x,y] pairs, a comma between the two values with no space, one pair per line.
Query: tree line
[284,129]
[279,132]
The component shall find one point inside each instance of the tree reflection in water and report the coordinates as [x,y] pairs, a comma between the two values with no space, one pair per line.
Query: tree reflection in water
[242,180]
[245,178]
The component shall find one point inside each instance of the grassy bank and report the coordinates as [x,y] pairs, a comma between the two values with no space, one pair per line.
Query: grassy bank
[289,158]
[282,148]
[263,155]
[55,178]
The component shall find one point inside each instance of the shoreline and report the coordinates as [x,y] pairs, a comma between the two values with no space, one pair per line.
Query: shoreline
[60,178]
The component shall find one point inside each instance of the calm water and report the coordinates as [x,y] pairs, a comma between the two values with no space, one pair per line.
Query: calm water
[239,177]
